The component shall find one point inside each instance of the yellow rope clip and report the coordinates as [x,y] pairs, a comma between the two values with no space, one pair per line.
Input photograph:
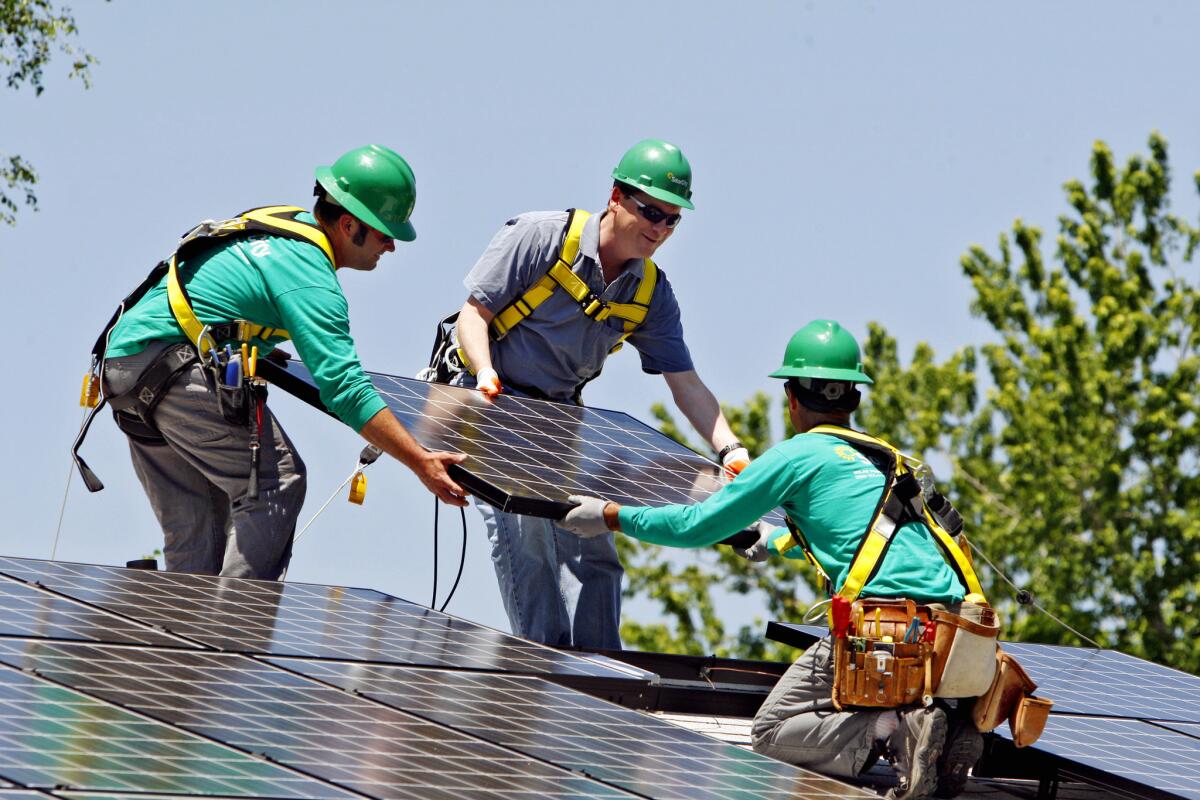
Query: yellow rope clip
[358,488]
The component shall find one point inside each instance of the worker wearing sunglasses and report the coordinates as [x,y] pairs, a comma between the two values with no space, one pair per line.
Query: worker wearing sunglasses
[555,294]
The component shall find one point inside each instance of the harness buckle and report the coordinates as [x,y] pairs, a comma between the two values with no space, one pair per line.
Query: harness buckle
[594,305]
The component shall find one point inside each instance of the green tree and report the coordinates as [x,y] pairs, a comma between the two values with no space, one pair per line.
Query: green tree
[1075,458]
[30,32]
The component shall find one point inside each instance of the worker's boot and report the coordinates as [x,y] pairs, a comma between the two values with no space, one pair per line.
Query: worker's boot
[964,746]
[914,749]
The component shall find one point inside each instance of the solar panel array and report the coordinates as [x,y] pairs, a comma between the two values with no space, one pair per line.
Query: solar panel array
[1113,715]
[122,683]
[526,455]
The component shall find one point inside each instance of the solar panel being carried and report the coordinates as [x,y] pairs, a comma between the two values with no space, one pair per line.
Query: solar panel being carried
[526,455]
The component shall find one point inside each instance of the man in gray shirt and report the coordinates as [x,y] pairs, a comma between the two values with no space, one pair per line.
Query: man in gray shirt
[559,291]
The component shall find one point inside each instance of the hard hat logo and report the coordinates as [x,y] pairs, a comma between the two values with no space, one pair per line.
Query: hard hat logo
[671,177]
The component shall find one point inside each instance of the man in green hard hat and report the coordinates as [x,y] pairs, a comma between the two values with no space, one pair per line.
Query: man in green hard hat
[831,493]
[552,296]
[222,477]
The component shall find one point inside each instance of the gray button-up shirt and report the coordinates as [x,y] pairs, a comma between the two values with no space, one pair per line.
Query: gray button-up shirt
[556,348]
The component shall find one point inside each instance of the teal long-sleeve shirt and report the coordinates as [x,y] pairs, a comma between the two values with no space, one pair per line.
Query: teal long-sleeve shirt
[273,281]
[830,491]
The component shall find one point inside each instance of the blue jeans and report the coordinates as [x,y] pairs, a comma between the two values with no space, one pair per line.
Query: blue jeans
[558,588]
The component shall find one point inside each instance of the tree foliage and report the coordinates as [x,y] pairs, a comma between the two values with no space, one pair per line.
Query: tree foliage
[1070,443]
[30,33]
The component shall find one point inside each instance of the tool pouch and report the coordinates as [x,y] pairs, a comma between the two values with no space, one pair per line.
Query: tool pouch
[235,403]
[1028,720]
[873,673]
[964,650]
[1009,698]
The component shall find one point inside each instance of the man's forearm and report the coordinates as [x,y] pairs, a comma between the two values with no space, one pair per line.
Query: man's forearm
[700,407]
[387,433]
[472,328]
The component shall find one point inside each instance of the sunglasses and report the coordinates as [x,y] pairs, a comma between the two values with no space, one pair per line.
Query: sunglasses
[653,214]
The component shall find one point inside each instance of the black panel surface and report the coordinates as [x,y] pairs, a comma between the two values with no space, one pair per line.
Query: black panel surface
[629,749]
[1138,751]
[526,455]
[28,611]
[301,619]
[319,730]
[1108,683]
[51,736]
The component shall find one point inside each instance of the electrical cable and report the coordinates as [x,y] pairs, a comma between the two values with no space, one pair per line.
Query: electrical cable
[462,559]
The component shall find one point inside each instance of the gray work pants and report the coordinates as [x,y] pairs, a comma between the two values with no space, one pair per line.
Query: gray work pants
[197,482]
[798,723]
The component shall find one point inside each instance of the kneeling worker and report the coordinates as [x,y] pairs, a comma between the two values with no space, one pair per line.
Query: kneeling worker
[222,477]
[831,491]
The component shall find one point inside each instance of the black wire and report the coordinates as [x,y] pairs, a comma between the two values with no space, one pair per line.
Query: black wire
[462,559]
[433,602]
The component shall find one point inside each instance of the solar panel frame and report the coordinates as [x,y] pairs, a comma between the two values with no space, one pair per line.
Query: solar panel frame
[335,736]
[621,459]
[635,751]
[249,616]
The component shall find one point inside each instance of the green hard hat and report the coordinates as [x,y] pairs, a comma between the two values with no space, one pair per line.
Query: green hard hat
[659,169]
[823,349]
[377,186]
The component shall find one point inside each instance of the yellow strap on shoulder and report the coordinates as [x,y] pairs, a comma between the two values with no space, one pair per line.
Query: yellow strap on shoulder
[282,219]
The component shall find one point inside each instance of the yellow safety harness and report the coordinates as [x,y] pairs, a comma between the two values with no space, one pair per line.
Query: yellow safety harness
[560,276]
[137,405]
[902,502]
[274,220]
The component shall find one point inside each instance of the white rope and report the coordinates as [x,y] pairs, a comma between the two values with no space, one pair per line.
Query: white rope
[62,509]
[336,492]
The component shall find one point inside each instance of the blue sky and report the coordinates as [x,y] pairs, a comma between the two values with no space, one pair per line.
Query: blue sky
[844,155]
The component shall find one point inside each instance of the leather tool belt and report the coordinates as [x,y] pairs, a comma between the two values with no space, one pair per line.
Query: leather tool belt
[1010,697]
[898,653]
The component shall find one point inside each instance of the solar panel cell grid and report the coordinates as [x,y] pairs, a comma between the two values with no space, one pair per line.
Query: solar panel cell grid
[28,611]
[300,619]
[54,737]
[635,751]
[1109,683]
[1132,749]
[319,730]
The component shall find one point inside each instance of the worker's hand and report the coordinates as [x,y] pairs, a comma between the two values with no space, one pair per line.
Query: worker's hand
[758,551]
[488,382]
[735,461]
[431,469]
[586,519]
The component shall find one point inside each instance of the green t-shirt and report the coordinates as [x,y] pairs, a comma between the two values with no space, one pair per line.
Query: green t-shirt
[830,491]
[273,281]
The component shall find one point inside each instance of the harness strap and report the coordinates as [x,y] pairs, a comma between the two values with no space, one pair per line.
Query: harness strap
[560,275]
[900,503]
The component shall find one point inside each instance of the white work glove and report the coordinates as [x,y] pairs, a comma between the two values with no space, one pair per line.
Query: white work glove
[586,519]
[735,461]
[488,381]
[758,551]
